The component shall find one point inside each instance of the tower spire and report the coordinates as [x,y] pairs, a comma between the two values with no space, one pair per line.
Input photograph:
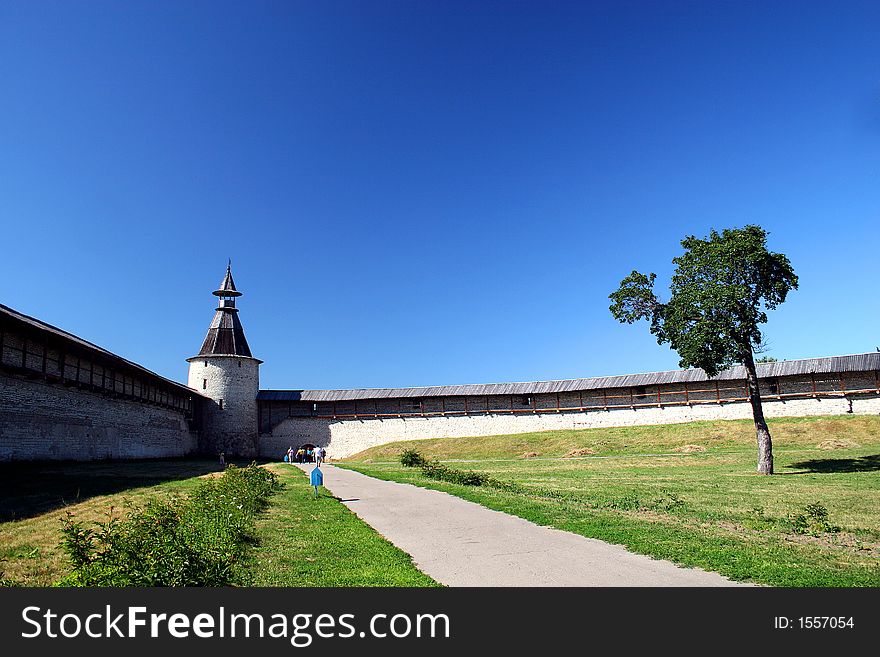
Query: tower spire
[226,335]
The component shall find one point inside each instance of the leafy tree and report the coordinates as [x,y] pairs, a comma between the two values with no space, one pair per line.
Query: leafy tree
[720,291]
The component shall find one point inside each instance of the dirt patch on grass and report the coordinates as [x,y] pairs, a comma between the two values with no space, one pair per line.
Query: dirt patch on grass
[583,451]
[838,443]
[530,455]
[690,449]
[838,540]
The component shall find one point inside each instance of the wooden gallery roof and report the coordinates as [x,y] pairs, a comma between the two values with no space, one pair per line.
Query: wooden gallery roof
[869,362]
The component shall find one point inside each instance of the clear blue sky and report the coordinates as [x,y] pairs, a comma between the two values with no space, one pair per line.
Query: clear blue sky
[419,193]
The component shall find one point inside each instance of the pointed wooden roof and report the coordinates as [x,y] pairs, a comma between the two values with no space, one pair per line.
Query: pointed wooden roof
[227,287]
[225,334]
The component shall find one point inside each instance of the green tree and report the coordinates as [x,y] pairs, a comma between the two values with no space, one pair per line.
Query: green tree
[721,289]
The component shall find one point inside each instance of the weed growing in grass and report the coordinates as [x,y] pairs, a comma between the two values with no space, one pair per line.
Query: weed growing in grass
[668,501]
[193,541]
[814,521]
[7,581]
[629,502]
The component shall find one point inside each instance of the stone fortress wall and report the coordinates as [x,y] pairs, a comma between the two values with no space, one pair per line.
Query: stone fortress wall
[64,398]
[347,426]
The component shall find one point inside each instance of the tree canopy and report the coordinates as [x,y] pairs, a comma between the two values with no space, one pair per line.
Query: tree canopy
[721,289]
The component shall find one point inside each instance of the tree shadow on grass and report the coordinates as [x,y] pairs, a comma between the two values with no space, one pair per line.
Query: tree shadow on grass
[870,463]
[33,488]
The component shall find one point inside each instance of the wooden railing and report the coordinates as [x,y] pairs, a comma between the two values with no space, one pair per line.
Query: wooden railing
[631,398]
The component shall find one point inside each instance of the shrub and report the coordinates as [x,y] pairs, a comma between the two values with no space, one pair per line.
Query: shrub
[440,472]
[410,458]
[193,541]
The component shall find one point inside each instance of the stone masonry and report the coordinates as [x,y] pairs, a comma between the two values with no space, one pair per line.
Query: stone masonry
[344,437]
[40,421]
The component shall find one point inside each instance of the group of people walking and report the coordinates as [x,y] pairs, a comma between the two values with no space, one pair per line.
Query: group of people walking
[314,455]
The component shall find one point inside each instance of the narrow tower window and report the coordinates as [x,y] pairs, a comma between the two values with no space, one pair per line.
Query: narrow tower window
[206,363]
[204,384]
[221,404]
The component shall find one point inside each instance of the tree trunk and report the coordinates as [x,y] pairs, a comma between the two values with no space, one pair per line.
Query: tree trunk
[765,445]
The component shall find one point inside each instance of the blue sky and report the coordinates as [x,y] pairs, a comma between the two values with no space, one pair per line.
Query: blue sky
[418,193]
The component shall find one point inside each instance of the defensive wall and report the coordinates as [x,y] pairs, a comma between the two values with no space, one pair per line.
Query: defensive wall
[348,421]
[64,398]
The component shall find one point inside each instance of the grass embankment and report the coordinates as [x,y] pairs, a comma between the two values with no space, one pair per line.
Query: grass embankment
[656,491]
[34,498]
[299,541]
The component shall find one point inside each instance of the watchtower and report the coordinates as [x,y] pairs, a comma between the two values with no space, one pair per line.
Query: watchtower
[225,371]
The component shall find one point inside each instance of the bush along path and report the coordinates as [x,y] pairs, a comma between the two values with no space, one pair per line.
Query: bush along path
[197,540]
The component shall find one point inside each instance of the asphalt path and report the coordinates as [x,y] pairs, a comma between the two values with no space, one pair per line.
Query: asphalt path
[461,543]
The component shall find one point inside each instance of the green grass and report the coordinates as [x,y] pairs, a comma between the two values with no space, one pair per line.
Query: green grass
[301,541]
[708,509]
[318,542]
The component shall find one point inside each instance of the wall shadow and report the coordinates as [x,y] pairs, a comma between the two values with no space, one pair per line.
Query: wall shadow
[30,489]
[870,463]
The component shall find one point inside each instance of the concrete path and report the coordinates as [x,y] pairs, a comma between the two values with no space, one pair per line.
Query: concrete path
[460,543]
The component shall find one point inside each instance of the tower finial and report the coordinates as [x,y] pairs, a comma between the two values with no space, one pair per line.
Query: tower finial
[227,286]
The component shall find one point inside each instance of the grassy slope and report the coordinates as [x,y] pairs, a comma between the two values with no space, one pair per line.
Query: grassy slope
[301,541]
[719,435]
[704,509]
[318,542]
[39,495]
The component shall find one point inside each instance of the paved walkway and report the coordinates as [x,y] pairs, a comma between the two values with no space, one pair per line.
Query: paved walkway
[460,543]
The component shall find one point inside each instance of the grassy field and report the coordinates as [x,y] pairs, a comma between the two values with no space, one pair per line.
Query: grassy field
[301,541]
[688,493]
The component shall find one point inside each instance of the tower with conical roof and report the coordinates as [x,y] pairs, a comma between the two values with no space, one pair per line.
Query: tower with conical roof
[225,371]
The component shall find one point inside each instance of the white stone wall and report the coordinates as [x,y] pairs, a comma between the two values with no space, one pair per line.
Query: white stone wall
[346,437]
[230,426]
[53,421]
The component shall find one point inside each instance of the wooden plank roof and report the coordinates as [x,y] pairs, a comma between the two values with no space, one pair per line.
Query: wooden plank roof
[35,325]
[868,362]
